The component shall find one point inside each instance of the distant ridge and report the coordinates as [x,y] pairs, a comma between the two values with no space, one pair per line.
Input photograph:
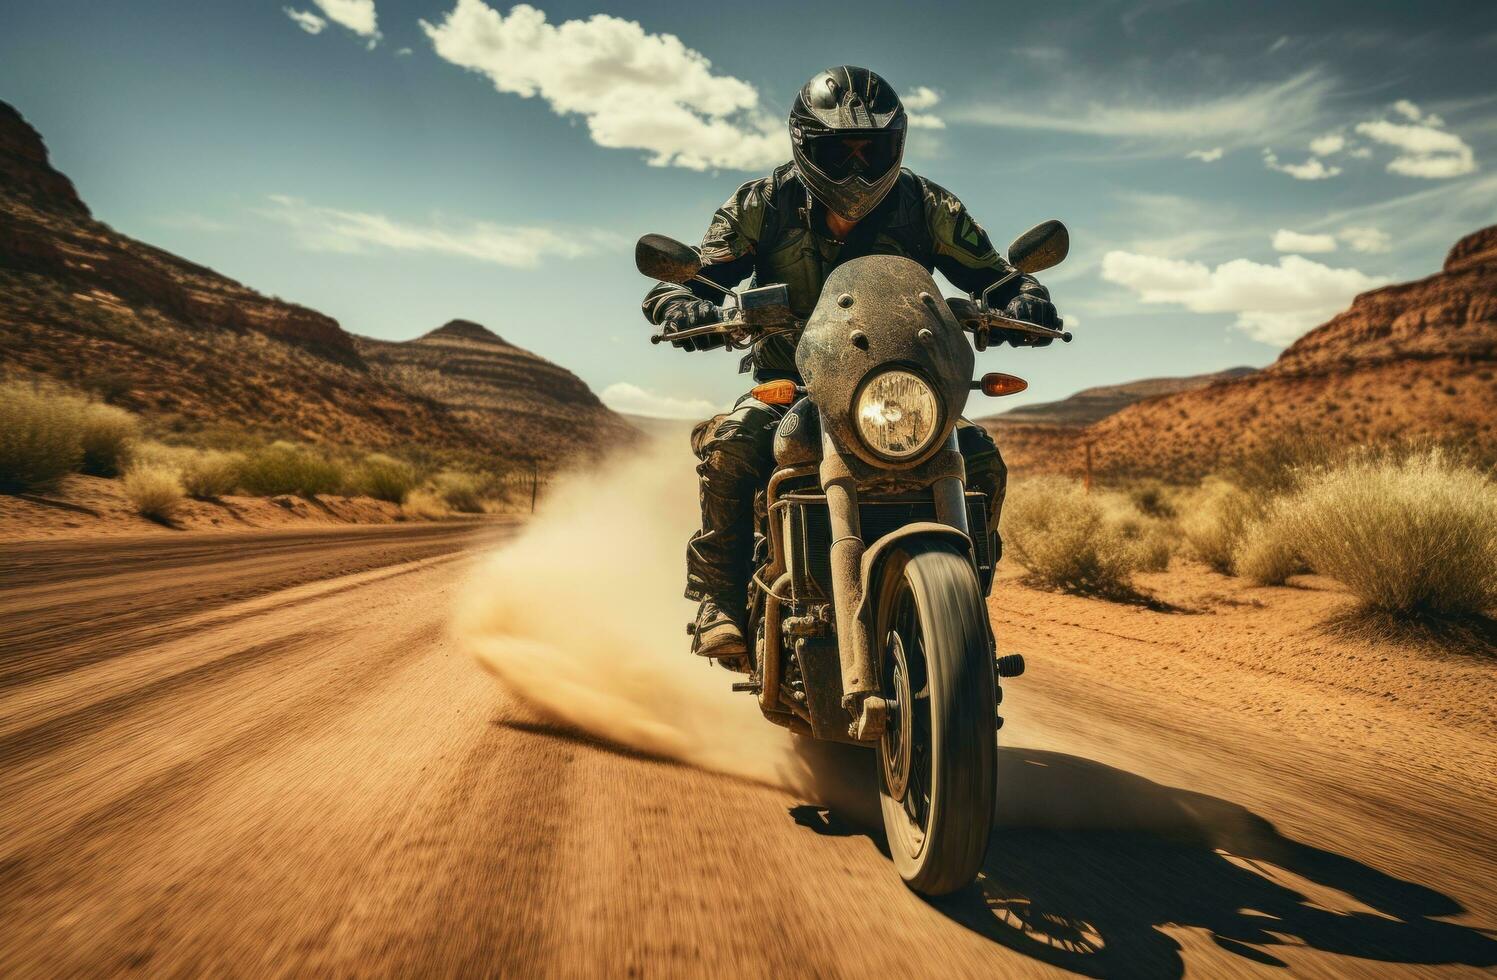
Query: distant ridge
[1411,360]
[1094,404]
[194,350]
[465,330]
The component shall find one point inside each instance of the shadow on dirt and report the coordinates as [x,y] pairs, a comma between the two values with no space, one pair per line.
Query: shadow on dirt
[1088,863]
[1468,636]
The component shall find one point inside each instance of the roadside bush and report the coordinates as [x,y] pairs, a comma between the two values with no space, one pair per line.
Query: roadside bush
[210,473]
[1278,466]
[41,437]
[108,435]
[1266,552]
[1151,498]
[1412,536]
[459,491]
[1214,519]
[206,474]
[422,502]
[283,467]
[154,490]
[385,478]
[1065,539]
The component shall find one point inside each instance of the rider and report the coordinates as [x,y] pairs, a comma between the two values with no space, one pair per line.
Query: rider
[844,195]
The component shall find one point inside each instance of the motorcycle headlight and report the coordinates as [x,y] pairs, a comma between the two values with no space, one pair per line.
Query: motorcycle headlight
[898,414]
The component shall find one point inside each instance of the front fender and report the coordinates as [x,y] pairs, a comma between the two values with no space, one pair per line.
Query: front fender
[875,554]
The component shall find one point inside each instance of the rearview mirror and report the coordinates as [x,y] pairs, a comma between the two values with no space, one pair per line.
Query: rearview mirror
[666,259]
[1043,246]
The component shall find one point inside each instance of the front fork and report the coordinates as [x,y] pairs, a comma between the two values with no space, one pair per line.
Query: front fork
[854,642]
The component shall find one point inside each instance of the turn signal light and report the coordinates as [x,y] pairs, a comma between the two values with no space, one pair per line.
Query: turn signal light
[777,392]
[998,385]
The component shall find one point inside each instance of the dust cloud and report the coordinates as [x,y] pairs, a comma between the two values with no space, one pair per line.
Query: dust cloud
[581,617]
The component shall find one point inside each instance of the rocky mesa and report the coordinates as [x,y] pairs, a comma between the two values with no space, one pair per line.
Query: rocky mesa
[194,350]
[514,400]
[1411,360]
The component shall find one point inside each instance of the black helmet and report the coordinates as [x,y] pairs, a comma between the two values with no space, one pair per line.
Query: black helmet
[847,131]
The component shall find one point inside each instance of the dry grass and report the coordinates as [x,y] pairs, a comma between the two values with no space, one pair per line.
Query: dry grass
[1415,536]
[1153,540]
[1152,499]
[1071,540]
[208,474]
[461,492]
[1214,519]
[41,436]
[422,502]
[385,478]
[283,467]
[1266,553]
[205,474]
[155,491]
[108,435]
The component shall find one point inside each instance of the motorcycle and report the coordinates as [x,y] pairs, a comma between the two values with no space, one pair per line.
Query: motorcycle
[872,558]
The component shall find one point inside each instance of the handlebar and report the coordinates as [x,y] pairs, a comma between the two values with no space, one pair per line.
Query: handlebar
[971,316]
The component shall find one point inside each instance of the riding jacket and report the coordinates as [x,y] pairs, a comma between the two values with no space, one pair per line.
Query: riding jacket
[773,231]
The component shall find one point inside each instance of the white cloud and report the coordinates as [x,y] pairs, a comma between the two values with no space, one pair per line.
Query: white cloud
[1330,143]
[920,99]
[403,53]
[356,15]
[1274,304]
[621,396]
[1426,148]
[1365,238]
[1312,169]
[1285,240]
[635,90]
[321,229]
[1206,156]
[306,20]
[1234,119]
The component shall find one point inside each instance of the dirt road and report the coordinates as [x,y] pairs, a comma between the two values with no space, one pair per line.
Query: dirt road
[268,757]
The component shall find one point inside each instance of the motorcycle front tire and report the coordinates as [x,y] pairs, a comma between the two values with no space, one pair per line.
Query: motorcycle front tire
[937,759]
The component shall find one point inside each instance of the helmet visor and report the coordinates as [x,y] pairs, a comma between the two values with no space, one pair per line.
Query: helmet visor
[868,154]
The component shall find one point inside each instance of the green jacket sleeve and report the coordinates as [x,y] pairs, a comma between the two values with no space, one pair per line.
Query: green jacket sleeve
[727,251]
[963,252]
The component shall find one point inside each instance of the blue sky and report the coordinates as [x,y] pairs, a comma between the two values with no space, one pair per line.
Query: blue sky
[1231,173]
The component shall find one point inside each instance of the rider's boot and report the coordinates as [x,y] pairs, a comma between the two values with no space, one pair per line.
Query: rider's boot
[718,632]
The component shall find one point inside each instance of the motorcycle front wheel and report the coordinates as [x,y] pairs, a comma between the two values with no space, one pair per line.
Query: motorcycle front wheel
[937,758]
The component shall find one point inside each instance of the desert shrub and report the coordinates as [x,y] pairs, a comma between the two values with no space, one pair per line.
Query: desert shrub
[385,478]
[1279,465]
[108,434]
[205,473]
[1153,540]
[1266,552]
[211,473]
[283,467]
[462,492]
[154,490]
[1409,536]
[423,502]
[1213,520]
[1065,538]
[1151,498]
[41,437]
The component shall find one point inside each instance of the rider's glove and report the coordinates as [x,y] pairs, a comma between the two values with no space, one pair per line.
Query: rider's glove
[693,313]
[1033,306]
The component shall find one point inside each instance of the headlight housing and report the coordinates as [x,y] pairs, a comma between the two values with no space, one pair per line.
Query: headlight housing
[898,414]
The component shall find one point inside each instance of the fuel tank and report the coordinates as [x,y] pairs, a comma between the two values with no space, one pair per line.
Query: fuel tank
[797,441]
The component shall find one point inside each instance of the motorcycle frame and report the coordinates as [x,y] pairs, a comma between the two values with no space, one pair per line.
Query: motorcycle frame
[855,566]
